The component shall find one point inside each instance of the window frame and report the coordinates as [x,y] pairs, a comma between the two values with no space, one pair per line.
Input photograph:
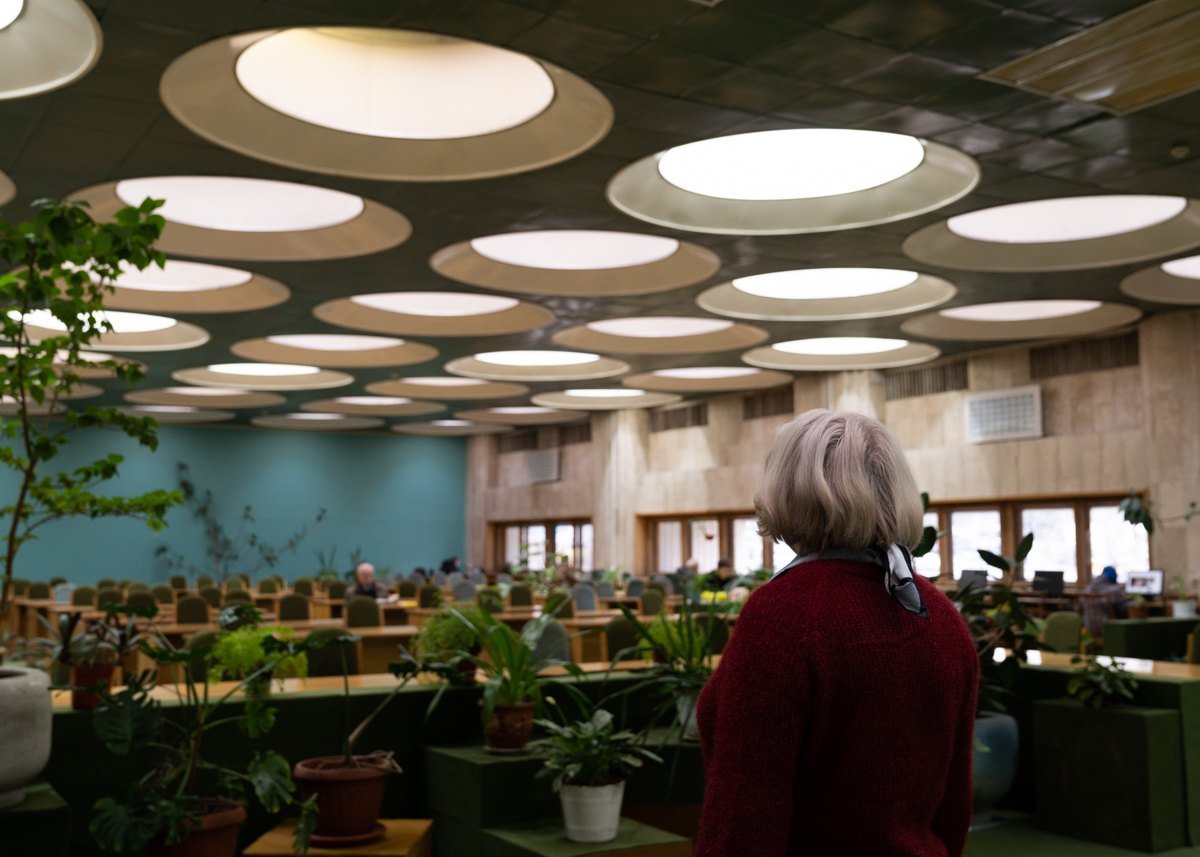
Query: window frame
[497,534]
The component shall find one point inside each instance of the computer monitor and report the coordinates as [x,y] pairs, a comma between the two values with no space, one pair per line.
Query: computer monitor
[1145,582]
[1048,582]
[973,577]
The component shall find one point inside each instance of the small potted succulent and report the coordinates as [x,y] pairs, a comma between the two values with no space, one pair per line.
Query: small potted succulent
[444,635]
[588,761]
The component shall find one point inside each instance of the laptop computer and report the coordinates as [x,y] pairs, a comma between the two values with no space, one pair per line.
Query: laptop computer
[1145,582]
[1048,582]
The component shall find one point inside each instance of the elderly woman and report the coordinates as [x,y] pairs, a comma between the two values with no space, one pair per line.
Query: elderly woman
[840,720]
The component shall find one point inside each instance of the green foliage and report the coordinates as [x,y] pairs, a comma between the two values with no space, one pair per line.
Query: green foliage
[683,646]
[103,641]
[1140,512]
[228,553]
[589,752]
[491,599]
[264,652]
[444,635]
[1100,683]
[929,535]
[63,262]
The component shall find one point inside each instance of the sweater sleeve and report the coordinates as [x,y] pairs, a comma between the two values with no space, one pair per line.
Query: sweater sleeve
[751,722]
[953,817]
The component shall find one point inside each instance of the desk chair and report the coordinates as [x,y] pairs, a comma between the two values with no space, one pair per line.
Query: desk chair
[192,610]
[1062,631]
[83,596]
[429,596]
[294,607]
[141,598]
[268,586]
[362,612]
[554,644]
[238,596]
[584,596]
[635,587]
[327,660]
[406,589]
[520,595]
[198,669]
[621,637]
[336,590]
[178,581]
[40,590]
[560,605]
[164,594]
[464,591]
[213,596]
[303,585]
[108,596]
[653,601]
[604,589]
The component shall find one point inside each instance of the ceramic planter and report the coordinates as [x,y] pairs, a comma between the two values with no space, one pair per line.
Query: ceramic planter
[510,727]
[685,708]
[592,813]
[994,763]
[84,677]
[24,730]
[349,800]
[1183,609]
[213,835]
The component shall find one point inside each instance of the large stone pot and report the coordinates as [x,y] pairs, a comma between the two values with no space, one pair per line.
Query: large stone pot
[24,730]
[994,763]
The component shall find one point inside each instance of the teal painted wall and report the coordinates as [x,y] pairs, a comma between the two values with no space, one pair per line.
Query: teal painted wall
[400,499]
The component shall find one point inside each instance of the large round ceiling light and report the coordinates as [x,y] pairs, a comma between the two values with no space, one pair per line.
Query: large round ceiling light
[437,304]
[1020,310]
[177,276]
[438,381]
[1175,282]
[120,322]
[263,370]
[840,345]
[204,397]
[815,284]
[447,388]
[262,377]
[401,84]
[795,163]
[706,379]
[193,287]
[10,10]
[840,353]
[333,341]
[1188,268]
[575,249]
[604,393]
[243,204]
[541,365]
[1080,218]
[45,45]
[652,327]
[536,358]
[707,373]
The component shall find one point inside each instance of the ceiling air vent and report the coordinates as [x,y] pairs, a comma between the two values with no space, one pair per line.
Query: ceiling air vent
[543,466]
[1147,55]
[1004,414]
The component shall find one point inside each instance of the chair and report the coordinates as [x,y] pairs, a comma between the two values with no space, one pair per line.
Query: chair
[164,594]
[83,596]
[667,583]
[454,578]
[268,586]
[653,601]
[429,596]
[303,585]
[178,581]
[635,587]
[125,584]
[198,669]
[203,582]
[327,660]
[505,578]
[362,612]
[560,604]
[111,595]
[20,587]
[490,599]
[141,598]
[1061,633]
[621,637]
[55,581]
[137,586]
[554,644]
[192,610]
[584,596]
[336,590]
[293,607]
[520,595]
[464,591]
[439,578]
[212,595]
[106,583]
[238,596]
[605,589]
[407,589]
[40,589]
[234,584]
[476,575]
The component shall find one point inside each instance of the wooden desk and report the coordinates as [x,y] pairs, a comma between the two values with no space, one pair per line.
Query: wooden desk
[394,613]
[404,837]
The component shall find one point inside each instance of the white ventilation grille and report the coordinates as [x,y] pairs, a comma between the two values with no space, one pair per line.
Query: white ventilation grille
[543,466]
[1004,414]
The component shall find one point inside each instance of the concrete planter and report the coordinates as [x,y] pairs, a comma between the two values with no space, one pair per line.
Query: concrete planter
[592,813]
[994,759]
[1183,609]
[24,730]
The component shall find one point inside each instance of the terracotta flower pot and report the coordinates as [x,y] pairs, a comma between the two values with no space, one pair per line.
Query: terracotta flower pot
[510,727]
[86,677]
[348,799]
[213,835]
[1138,611]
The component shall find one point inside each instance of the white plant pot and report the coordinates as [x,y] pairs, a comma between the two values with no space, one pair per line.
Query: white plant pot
[1183,609]
[685,706]
[24,730]
[592,813]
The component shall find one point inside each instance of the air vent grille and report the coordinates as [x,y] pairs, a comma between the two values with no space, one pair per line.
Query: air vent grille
[1087,355]
[545,438]
[544,466]
[769,403]
[518,441]
[1004,414]
[689,416]
[926,381]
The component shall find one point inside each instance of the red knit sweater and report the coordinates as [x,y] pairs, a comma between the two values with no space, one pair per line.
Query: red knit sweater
[838,724]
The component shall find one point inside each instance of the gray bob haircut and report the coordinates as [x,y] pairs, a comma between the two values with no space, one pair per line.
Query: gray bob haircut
[838,480]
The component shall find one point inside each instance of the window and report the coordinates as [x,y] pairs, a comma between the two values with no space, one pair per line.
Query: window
[747,545]
[1114,542]
[587,538]
[706,546]
[541,543]
[670,545]
[670,540]
[929,565]
[1054,541]
[564,544]
[536,539]
[973,530]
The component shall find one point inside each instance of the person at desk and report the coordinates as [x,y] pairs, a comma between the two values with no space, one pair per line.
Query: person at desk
[365,583]
[688,572]
[451,565]
[1114,606]
[719,580]
[841,717]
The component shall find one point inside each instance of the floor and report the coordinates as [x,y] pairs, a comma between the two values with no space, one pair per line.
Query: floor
[1022,839]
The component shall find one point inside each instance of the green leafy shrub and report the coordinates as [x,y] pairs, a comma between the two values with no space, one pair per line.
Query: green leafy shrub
[444,635]
[589,752]
[1100,683]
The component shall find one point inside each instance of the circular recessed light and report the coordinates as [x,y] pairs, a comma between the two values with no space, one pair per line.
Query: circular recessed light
[521,410]
[445,382]
[528,415]
[536,358]
[450,428]
[473,389]
[177,414]
[399,84]
[706,379]
[9,11]
[437,304]
[333,341]
[1188,268]
[170,409]
[1173,282]
[840,345]
[1020,310]
[575,249]
[263,370]
[451,423]
[706,373]
[1079,218]
[204,392]
[796,163]
[659,326]
[177,276]
[307,421]
[298,416]
[604,393]
[46,45]
[373,401]
[243,204]
[204,397]
[814,284]
[120,322]
[604,399]
[379,406]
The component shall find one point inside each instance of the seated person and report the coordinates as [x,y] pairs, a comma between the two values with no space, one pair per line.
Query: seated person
[1094,614]
[688,572]
[719,580]
[451,565]
[365,583]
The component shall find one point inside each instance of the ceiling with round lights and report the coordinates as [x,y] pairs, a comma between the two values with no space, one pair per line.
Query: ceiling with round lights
[178,414]
[792,180]
[450,428]
[576,262]
[604,399]
[537,366]
[263,376]
[316,422]
[1062,234]
[384,103]
[45,45]
[130,331]
[521,415]
[305,226]
[373,406]
[839,353]
[1037,319]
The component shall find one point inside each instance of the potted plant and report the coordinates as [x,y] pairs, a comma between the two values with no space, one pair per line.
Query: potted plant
[587,761]
[1183,605]
[186,804]
[88,660]
[444,635]
[1138,609]
[491,599]
[250,652]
